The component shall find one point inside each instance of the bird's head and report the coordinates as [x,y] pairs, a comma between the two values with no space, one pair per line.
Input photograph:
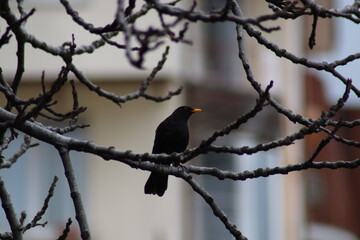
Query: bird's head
[186,111]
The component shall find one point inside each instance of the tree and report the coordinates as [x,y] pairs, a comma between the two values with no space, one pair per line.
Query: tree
[174,20]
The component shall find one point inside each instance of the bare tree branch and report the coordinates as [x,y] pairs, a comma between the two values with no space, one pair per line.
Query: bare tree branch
[75,193]
[232,126]
[265,172]
[131,96]
[215,208]
[10,212]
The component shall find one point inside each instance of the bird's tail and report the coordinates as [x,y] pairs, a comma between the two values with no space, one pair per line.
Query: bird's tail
[156,184]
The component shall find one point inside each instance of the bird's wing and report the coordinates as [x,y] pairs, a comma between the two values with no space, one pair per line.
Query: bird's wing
[171,138]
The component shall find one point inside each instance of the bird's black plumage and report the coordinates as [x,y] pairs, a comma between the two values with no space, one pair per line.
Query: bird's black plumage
[172,135]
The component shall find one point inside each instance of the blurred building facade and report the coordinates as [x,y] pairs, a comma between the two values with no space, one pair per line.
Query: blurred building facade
[331,196]
[268,208]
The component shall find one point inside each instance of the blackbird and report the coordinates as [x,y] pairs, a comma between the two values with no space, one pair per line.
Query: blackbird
[172,135]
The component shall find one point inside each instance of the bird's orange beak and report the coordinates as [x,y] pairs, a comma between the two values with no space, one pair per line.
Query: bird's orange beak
[196,110]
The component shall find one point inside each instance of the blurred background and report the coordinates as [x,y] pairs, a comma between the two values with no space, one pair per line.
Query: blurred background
[313,205]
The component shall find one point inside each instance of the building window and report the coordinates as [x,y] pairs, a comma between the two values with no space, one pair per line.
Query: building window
[221,64]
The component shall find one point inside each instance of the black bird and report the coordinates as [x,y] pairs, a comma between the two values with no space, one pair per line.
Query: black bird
[172,135]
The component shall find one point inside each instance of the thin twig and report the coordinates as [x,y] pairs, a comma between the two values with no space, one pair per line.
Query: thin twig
[312,38]
[26,145]
[40,214]
[66,230]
